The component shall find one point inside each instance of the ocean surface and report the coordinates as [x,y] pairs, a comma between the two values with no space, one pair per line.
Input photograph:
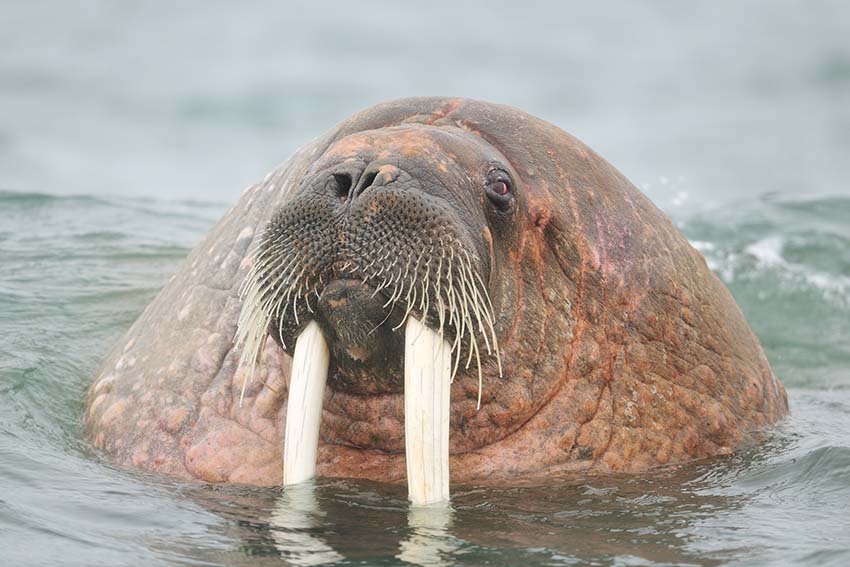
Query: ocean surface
[126,130]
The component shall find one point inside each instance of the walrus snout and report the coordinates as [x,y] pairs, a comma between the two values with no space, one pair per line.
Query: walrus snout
[400,223]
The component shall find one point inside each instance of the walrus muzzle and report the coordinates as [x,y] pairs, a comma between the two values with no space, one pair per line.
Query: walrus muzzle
[370,273]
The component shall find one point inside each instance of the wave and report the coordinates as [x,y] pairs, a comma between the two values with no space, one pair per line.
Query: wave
[785,245]
[23,198]
[8,196]
[822,470]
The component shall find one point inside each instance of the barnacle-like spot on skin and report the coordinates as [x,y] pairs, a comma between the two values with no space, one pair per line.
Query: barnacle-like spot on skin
[114,412]
[246,232]
[104,385]
[176,419]
[96,403]
[184,312]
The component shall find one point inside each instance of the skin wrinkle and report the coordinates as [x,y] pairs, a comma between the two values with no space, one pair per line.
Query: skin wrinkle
[607,386]
[521,280]
[539,269]
[520,292]
[465,125]
[555,391]
[579,321]
[593,416]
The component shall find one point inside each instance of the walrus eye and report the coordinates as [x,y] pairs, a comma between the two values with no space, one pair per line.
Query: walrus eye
[499,188]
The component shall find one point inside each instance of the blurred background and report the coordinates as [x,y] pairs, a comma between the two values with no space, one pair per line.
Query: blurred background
[127,128]
[709,101]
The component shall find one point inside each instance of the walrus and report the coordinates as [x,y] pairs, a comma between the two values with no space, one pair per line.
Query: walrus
[436,289]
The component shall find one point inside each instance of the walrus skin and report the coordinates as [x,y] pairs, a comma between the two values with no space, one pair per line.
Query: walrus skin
[620,349]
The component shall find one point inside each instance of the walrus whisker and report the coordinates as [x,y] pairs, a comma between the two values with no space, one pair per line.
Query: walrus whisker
[251,340]
[470,328]
[389,312]
[407,310]
[269,254]
[482,289]
[275,308]
[396,290]
[424,299]
[457,322]
[380,272]
[441,313]
[411,303]
[280,329]
[378,289]
[368,267]
[412,285]
[477,310]
[480,375]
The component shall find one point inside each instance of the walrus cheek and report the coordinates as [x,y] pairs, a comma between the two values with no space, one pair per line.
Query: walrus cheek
[427,378]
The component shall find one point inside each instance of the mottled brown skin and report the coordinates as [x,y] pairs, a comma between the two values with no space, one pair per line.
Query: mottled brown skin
[621,349]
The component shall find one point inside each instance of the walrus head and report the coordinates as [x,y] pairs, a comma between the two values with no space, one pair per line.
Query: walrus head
[406,230]
[389,224]
[424,239]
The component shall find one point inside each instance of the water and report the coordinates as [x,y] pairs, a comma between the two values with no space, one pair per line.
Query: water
[127,129]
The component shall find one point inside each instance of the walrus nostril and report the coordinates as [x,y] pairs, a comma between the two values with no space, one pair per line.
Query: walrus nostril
[367,181]
[377,177]
[343,184]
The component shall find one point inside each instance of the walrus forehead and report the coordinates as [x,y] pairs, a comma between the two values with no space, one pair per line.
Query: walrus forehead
[438,147]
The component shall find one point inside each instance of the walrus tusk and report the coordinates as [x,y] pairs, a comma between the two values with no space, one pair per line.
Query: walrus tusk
[427,375]
[304,406]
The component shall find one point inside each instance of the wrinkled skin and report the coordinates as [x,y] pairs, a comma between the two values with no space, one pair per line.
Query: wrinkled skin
[621,349]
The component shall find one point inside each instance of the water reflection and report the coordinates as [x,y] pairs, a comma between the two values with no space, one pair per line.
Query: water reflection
[733,509]
[429,542]
[299,521]
[297,514]
[641,519]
